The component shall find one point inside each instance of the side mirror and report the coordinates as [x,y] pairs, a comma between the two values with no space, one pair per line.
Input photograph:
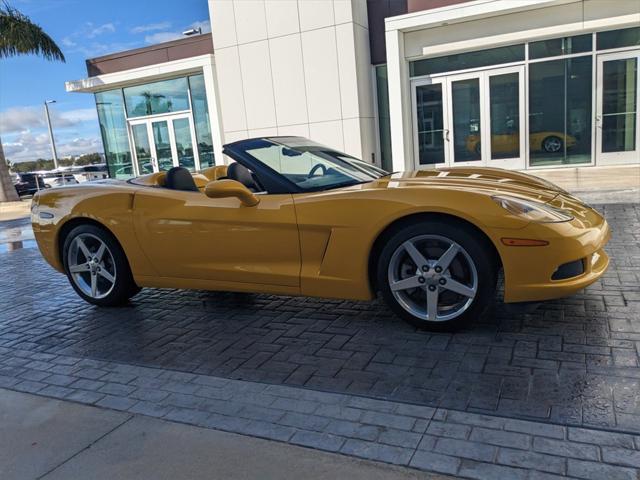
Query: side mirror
[231,188]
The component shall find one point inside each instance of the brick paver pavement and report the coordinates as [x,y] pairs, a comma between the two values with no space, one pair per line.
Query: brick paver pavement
[556,389]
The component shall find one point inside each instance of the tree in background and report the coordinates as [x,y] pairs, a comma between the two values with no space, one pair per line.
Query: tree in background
[20,36]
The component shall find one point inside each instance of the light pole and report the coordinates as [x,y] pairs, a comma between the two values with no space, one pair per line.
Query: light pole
[53,142]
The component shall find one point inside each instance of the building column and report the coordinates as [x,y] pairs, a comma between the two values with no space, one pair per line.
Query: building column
[215,115]
[399,102]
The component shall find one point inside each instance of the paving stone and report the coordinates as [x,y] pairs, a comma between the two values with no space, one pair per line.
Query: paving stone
[621,456]
[150,409]
[599,471]
[435,462]
[305,422]
[400,438]
[356,430]
[565,448]
[85,396]
[321,441]
[466,449]
[500,438]
[55,391]
[535,428]
[376,451]
[116,403]
[482,471]
[451,430]
[388,420]
[531,460]
[601,438]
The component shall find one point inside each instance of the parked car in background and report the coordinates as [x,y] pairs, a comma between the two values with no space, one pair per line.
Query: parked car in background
[29,183]
[59,179]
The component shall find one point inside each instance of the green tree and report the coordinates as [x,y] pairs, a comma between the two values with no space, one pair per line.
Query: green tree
[20,36]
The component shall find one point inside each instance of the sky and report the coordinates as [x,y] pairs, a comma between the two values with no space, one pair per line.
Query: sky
[82,29]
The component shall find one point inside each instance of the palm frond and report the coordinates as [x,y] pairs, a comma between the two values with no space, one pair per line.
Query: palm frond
[20,36]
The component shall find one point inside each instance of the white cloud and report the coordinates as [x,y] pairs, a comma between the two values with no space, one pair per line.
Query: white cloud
[31,146]
[91,31]
[162,37]
[167,36]
[151,27]
[24,119]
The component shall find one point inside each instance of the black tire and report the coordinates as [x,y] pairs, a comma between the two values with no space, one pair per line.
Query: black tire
[476,246]
[123,287]
[552,144]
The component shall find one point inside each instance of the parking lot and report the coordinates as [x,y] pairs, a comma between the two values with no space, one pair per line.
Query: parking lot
[565,366]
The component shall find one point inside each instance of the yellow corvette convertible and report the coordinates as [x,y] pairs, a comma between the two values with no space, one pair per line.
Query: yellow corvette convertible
[291,217]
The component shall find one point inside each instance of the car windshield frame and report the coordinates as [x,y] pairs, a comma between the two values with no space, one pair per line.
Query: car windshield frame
[348,170]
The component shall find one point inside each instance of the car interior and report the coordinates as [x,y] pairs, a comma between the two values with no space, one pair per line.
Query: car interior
[180,178]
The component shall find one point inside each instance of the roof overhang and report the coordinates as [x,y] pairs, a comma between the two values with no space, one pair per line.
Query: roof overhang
[144,74]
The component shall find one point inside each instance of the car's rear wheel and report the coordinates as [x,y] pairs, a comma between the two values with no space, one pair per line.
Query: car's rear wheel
[97,267]
[437,275]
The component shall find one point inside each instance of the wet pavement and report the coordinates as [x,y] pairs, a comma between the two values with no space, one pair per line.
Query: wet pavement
[572,361]
[15,235]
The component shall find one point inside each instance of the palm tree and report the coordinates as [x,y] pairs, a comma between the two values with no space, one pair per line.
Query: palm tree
[20,36]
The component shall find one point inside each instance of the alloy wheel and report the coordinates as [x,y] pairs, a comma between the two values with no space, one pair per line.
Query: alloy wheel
[91,265]
[433,278]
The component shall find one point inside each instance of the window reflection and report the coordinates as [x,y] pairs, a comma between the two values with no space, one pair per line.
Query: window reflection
[113,128]
[430,124]
[560,111]
[504,95]
[158,97]
[619,80]
[201,119]
[466,120]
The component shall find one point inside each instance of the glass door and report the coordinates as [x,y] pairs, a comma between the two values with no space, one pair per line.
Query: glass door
[618,95]
[506,121]
[472,119]
[430,133]
[163,143]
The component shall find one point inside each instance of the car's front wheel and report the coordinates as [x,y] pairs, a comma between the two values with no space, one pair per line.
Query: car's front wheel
[97,267]
[437,275]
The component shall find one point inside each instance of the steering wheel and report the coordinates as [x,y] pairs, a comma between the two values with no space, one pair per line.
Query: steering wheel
[316,167]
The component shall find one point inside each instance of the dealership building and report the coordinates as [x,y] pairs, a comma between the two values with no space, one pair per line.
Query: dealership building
[405,84]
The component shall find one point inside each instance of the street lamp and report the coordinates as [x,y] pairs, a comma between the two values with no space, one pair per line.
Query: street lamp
[53,142]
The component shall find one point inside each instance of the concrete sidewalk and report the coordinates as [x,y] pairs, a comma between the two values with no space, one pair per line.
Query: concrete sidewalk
[52,439]
[14,210]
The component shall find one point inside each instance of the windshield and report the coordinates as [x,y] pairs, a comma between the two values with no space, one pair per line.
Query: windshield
[312,166]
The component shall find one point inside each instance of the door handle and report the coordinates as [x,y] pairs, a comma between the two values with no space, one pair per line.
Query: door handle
[446,134]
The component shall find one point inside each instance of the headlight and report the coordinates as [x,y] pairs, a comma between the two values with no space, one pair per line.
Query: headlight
[532,210]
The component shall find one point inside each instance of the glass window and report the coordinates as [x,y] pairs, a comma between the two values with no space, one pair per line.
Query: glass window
[162,142]
[201,118]
[384,121]
[627,37]
[504,106]
[157,97]
[465,98]
[560,46]
[113,128]
[429,110]
[184,146]
[560,96]
[143,148]
[463,61]
[619,80]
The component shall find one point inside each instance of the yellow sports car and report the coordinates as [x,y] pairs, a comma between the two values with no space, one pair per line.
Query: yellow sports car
[501,143]
[292,217]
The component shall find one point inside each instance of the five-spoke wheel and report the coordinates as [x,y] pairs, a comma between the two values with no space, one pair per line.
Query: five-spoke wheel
[435,274]
[97,266]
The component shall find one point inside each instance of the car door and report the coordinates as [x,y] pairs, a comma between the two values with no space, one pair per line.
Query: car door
[191,236]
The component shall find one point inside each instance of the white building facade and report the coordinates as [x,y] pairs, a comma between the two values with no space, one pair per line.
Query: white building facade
[405,84]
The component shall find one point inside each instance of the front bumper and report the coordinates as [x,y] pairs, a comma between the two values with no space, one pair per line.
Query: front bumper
[529,271]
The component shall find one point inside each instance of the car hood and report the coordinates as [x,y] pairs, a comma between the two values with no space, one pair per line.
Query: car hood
[493,181]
